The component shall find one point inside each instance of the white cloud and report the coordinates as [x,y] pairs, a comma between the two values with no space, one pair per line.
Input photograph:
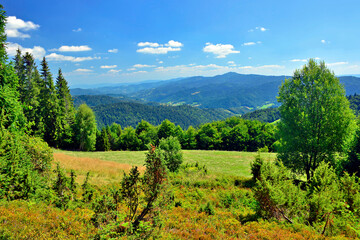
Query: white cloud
[336,64]
[159,50]
[156,48]
[161,62]
[115,50]
[220,50]
[231,63]
[108,66]
[114,71]
[14,26]
[65,48]
[77,30]
[173,43]
[298,60]
[59,57]
[131,69]
[324,41]
[143,66]
[262,29]
[83,70]
[249,43]
[37,51]
[148,44]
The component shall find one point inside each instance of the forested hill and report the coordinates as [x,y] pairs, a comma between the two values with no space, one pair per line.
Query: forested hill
[131,113]
[270,115]
[238,93]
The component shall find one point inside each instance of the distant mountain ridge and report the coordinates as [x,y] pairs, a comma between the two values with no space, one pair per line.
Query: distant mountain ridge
[238,93]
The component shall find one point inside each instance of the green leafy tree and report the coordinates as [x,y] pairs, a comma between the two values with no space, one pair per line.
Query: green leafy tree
[172,153]
[316,120]
[208,137]
[166,129]
[11,112]
[129,139]
[189,140]
[85,128]
[102,141]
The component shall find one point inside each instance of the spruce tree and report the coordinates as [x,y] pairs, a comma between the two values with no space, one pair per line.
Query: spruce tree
[49,105]
[29,94]
[66,113]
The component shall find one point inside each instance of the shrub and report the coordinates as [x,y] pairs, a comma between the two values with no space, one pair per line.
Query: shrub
[171,148]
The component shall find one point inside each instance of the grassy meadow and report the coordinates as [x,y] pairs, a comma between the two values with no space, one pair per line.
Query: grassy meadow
[108,167]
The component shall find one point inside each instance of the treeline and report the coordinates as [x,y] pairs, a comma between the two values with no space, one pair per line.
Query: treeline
[268,115]
[233,134]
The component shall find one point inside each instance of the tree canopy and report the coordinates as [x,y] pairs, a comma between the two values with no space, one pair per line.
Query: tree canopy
[315,118]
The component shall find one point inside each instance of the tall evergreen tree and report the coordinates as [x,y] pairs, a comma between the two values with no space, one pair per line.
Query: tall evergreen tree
[49,105]
[66,113]
[29,93]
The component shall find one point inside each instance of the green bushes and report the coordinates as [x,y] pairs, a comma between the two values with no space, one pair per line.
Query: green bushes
[328,203]
[172,153]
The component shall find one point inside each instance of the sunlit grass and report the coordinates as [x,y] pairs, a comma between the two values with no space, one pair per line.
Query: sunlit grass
[217,162]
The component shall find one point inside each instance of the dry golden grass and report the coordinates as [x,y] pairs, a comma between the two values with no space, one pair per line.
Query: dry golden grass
[101,172]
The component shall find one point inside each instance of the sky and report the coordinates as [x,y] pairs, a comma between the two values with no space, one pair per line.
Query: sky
[125,41]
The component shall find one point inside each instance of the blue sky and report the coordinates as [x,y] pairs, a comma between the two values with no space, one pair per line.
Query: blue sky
[119,41]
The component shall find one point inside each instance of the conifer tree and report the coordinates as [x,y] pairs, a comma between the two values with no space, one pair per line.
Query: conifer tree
[29,93]
[66,114]
[49,105]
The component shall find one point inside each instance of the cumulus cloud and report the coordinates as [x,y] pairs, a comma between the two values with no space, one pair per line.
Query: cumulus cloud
[298,60]
[83,70]
[156,48]
[173,43]
[59,57]
[143,66]
[220,50]
[82,48]
[108,66]
[37,51]
[115,50]
[114,71]
[77,30]
[148,44]
[15,26]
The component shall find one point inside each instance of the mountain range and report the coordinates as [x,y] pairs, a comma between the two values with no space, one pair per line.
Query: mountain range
[190,101]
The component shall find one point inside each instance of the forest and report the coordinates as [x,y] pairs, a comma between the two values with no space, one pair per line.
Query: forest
[308,189]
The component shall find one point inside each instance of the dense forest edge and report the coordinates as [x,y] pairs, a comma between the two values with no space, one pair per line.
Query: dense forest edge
[311,190]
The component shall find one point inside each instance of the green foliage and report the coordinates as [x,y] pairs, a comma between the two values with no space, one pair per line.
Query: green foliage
[85,128]
[172,153]
[208,137]
[316,120]
[102,141]
[256,167]
[66,114]
[278,197]
[208,209]
[129,140]
[24,163]
[268,115]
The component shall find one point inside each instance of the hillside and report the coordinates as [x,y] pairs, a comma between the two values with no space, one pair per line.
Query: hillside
[131,113]
[238,93]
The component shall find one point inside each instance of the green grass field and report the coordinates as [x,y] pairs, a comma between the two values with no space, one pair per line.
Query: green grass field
[217,162]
